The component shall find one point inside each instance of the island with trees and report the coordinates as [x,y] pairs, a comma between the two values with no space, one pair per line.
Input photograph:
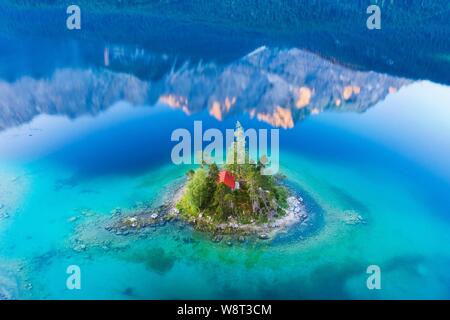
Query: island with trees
[233,200]
[237,198]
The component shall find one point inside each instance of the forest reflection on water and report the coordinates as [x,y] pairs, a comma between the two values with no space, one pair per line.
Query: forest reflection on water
[278,73]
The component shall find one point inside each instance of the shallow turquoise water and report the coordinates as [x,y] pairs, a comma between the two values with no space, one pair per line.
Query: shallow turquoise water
[85,125]
[398,179]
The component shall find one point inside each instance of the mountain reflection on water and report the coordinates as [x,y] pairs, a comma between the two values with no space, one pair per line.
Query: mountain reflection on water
[278,71]
[277,86]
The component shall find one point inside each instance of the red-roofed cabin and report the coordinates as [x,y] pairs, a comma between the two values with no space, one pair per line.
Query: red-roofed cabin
[227,179]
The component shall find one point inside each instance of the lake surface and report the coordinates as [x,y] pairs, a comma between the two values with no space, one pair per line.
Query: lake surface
[85,126]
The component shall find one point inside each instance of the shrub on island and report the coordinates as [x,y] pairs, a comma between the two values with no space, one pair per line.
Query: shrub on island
[233,192]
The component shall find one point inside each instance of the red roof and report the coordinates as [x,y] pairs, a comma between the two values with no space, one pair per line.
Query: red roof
[227,178]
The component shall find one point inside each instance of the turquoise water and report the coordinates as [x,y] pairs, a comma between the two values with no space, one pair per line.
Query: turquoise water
[402,193]
[86,118]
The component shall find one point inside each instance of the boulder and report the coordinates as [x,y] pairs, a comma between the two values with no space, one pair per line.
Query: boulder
[263,236]
[154,216]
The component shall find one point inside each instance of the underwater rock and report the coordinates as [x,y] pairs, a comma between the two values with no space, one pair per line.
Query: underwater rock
[141,219]
[8,286]
[79,247]
[132,221]
[3,213]
[353,218]
[188,240]
[87,213]
[5,295]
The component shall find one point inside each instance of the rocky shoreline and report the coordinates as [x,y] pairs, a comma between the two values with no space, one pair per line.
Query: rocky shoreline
[118,229]
[146,217]
[141,219]
[295,213]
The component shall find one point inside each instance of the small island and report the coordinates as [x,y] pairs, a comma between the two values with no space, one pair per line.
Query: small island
[238,198]
[232,200]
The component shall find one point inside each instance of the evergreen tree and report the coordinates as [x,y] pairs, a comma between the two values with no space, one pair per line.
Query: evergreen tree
[258,198]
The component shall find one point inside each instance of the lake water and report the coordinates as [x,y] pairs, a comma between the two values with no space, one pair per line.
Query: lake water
[85,126]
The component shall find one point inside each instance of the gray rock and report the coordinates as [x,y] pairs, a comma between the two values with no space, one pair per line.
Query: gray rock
[263,236]
[352,218]
[79,247]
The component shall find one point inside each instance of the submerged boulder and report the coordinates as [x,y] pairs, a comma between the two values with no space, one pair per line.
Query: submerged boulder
[351,217]
[8,286]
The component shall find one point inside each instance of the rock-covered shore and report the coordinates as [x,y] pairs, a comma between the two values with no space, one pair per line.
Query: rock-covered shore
[295,213]
[135,222]
[122,225]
